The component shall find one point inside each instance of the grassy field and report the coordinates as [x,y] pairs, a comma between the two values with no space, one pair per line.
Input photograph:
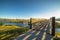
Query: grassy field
[10,32]
[57,34]
[57,24]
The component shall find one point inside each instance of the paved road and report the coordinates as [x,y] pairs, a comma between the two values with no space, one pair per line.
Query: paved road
[41,32]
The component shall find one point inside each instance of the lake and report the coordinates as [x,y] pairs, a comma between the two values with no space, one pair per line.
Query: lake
[57,29]
[14,23]
[58,21]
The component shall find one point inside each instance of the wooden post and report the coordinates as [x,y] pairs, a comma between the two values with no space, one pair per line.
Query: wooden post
[53,25]
[30,23]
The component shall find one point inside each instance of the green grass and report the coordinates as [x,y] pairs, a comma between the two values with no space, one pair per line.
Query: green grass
[57,24]
[57,36]
[10,32]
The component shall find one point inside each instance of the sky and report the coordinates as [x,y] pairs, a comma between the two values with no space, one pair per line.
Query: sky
[29,8]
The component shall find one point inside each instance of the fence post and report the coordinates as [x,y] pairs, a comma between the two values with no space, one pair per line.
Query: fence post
[30,23]
[53,25]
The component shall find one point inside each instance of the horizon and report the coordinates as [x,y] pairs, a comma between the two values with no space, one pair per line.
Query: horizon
[25,9]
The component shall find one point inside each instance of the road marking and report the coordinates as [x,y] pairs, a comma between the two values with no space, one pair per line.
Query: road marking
[44,35]
[37,33]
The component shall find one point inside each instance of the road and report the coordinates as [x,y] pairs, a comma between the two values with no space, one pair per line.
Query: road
[40,32]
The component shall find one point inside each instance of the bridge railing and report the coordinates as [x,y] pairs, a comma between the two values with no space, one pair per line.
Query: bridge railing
[52,25]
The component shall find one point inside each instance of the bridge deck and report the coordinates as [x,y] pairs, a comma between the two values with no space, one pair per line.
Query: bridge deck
[42,34]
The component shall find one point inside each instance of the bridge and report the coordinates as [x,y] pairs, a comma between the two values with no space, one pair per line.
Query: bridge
[43,31]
